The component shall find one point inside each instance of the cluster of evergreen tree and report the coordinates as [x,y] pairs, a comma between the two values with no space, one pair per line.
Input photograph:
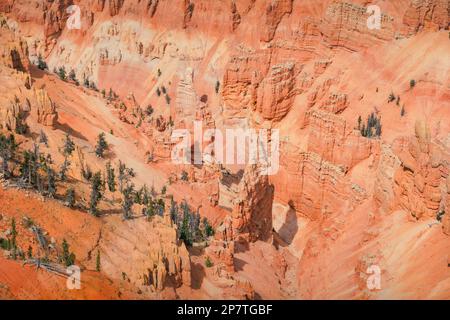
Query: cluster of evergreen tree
[89,84]
[70,197]
[10,243]
[41,64]
[127,202]
[152,206]
[101,145]
[372,127]
[112,95]
[35,169]
[125,174]
[21,125]
[149,110]
[110,177]
[191,228]
[62,73]
[96,193]
[68,258]
[184,176]
[36,172]
[73,76]
[8,149]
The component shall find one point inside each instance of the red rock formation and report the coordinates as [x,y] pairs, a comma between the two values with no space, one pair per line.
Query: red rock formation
[275,11]
[423,173]
[159,260]
[431,14]
[336,142]
[252,214]
[115,6]
[275,94]
[45,109]
[340,201]
[345,25]
[14,50]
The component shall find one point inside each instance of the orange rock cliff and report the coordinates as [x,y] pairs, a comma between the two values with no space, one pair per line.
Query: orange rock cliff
[363,116]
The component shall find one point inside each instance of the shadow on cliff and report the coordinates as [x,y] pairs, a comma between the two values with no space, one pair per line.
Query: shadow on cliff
[197,275]
[197,269]
[289,228]
[239,264]
[69,130]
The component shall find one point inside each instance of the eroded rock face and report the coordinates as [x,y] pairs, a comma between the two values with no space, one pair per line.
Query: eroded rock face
[222,251]
[421,181]
[430,14]
[45,109]
[345,25]
[275,11]
[312,176]
[336,141]
[241,77]
[14,50]
[10,114]
[148,253]
[115,6]
[276,92]
[252,214]
[341,189]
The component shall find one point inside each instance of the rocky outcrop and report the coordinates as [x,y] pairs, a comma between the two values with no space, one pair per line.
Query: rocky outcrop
[159,259]
[45,109]
[152,5]
[188,12]
[115,6]
[186,98]
[251,84]
[14,50]
[221,250]
[235,16]
[275,94]
[10,113]
[336,142]
[248,195]
[421,181]
[243,73]
[271,64]
[275,11]
[429,14]
[320,186]
[388,165]
[345,25]
[55,17]
[252,211]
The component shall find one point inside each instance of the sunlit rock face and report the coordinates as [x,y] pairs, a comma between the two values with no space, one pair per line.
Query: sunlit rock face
[363,117]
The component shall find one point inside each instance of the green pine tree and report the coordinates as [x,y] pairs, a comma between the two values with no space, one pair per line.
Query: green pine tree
[217,86]
[111,178]
[62,73]
[69,146]
[68,257]
[101,145]
[97,262]
[127,202]
[96,193]
[51,183]
[70,197]
[13,243]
